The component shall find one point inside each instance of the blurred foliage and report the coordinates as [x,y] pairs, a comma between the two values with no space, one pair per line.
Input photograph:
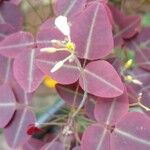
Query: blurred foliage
[146,19]
[124,54]
[1,130]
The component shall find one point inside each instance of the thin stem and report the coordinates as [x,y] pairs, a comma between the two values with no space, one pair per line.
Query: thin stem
[77,134]
[50,123]
[134,105]
[144,107]
[84,87]
[140,105]
[71,118]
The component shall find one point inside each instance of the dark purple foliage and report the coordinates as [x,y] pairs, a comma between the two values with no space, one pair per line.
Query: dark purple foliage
[93,83]
[69,8]
[95,137]
[7,105]
[11,14]
[92,45]
[131,132]
[109,111]
[53,146]
[97,76]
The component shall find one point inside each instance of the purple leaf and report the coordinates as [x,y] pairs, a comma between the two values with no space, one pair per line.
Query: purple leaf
[15,43]
[143,38]
[132,132]
[48,24]
[67,74]
[95,137]
[102,80]
[6,74]
[76,148]
[25,71]
[143,58]
[132,94]
[10,13]
[146,96]
[69,8]
[15,1]
[109,111]
[15,132]
[131,26]
[71,94]
[5,29]
[53,146]
[128,26]
[92,34]
[89,107]
[21,96]
[117,14]
[33,144]
[44,37]
[7,105]
[141,41]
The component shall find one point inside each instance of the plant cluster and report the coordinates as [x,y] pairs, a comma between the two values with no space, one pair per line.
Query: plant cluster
[98,60]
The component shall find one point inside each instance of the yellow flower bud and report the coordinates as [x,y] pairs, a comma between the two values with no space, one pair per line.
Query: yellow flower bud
[49,82]
[128,64]
[128,78]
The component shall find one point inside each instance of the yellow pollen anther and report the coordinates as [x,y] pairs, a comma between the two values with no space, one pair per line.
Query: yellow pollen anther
[70,46]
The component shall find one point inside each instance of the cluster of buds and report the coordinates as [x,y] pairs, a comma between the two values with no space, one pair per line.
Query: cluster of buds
[130,78]
[67,45]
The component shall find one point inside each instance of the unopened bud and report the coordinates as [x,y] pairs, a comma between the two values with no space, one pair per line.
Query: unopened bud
[128,78]
[128,64]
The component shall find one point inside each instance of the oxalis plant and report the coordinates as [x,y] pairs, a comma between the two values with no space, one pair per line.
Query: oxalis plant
[96,58]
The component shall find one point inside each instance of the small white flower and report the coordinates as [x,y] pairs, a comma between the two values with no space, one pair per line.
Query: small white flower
[62,24]
[66,45]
